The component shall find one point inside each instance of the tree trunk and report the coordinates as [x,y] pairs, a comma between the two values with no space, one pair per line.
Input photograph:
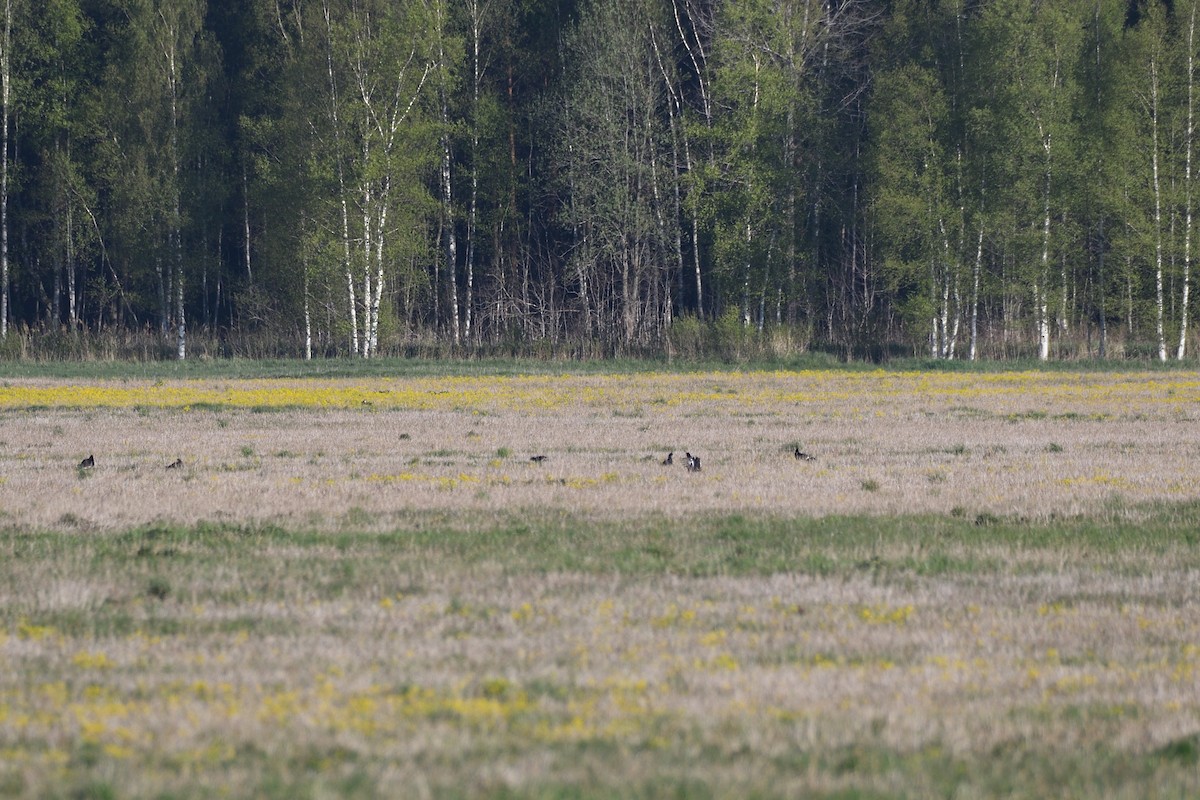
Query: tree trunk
[377,298]
[5,100]
[347,266]
[473,202]
[176,234]
[1158,244]
[1103,351]
[975,297]
[447,184]
[246,225]
[694,46]
[1041,286]
[451,238]
[1187,188]
[307,322]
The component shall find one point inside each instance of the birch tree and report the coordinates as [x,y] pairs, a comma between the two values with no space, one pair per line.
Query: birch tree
[379,57]
[1030,51]
[445,78]
[912,199]
[1150,55]
[1188,23]
[695,23]
[615,152]
[488,24]
[761,87]
[162,38]
[1106,136]
[5,114]
[930,173]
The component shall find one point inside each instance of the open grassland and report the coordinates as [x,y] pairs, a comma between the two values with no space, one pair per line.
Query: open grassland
[314,452]
[985,585]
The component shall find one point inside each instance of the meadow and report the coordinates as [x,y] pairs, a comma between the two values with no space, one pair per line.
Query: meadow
[984,585]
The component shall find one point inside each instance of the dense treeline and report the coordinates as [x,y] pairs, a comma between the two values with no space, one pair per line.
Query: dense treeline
[963,178]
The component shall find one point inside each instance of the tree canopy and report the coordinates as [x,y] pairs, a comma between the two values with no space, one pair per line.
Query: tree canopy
[958,178]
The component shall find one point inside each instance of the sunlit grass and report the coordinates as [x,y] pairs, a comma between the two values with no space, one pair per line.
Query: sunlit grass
[982,586]
[889,656]
[1068,397]
[1037,445]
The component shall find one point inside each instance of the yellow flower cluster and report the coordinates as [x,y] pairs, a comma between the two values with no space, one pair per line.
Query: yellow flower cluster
[1077,396]
[885,615]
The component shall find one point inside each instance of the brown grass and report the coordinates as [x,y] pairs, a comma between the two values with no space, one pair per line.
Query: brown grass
[245,662]
[1019,444]
[488,682]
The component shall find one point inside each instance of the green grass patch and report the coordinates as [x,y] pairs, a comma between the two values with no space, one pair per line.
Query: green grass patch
[235,368]
[546,542]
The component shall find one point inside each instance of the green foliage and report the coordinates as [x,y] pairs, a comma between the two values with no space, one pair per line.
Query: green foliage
[550,542]
[158,588]
[871,178]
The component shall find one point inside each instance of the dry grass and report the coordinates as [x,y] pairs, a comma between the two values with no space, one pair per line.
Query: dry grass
[336,674]
[334,657]
[1025,444]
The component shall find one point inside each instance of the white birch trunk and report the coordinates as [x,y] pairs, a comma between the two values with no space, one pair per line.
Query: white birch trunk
[1064,321]
[69,255]
[350,294]
[307,317]
[386,117]
[347,265]
[376,300]
[975,297]
[181,337]
[5,95]
[1187,184]
[1158,246]
[674,116]
[698,57]
[473,206]
[957,321]
[246,224]
[368,311]
[1040,288]
[451,238]
[949,269]
[307,325]
[448,184]
[177,214]
[944,318]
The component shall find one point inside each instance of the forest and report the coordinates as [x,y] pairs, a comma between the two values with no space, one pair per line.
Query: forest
[951,179]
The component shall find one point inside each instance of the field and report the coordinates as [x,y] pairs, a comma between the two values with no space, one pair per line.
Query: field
[984,585]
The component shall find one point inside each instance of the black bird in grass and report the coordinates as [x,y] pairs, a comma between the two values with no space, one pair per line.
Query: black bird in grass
[538,459]
[693,462]
[804,456]
[176,464]
[88,462]
[669,460]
